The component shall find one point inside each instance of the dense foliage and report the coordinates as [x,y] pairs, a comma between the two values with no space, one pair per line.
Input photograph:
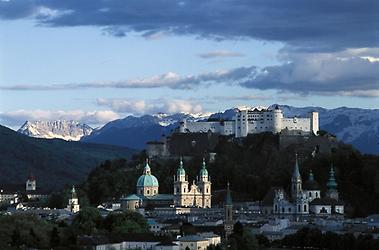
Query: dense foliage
[54,162]
[252,166]
[242,238]
[30,231]
[315,239]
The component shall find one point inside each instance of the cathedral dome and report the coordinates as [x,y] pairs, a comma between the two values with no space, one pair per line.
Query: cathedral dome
[147,179]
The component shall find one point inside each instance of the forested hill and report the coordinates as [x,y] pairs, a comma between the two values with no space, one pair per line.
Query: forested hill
[252,166]
[53,162]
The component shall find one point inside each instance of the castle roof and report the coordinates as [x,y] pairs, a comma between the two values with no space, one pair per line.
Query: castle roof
[147,179]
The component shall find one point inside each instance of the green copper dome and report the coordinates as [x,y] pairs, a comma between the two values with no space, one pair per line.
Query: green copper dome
[181,170]
[332,184]
[147,179]
[203,170]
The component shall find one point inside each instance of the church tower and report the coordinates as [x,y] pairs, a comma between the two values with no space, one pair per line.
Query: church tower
[180,185]
[296,185]
[228,214]
[73,203]
[332,185]
[204,185]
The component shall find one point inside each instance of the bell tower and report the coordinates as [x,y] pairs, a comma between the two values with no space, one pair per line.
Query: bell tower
[180,185]
[228,214]
[204,185]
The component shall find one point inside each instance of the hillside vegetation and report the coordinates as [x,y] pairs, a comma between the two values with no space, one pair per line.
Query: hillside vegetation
[53,162]
[252,166]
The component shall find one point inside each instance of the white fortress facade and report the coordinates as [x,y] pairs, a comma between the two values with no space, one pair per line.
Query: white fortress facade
[254,120]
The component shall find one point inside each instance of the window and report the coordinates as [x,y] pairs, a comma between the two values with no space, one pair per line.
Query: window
[276,208]
[148,191]
[299,208]
[316,194]
[282,209]
[289,210]
[305,208]
[310,194]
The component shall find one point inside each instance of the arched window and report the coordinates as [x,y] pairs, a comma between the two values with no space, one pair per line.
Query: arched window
[310,194]
[282,209]
[316,194]
[289,210]
[305,208]
[276,208]
[177,190]
[148,191]
[298,208]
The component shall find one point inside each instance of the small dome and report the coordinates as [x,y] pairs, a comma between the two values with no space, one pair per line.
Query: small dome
[147,179]
[203,170]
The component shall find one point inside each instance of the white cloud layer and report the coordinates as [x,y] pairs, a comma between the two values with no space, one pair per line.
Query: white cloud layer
[148,107]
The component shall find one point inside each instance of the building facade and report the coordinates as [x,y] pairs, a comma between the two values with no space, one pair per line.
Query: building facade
[73,202]
[306,199]
[254,120]
[196,195]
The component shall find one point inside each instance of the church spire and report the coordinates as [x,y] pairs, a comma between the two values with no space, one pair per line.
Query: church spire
[332,184]
[228,196]
[296,173]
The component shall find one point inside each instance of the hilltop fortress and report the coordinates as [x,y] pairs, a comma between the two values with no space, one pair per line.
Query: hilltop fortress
[254,120]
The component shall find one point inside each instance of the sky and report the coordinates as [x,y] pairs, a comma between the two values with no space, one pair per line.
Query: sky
[99,60]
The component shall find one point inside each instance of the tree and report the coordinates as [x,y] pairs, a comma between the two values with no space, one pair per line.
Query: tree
[54,237]
[87,220]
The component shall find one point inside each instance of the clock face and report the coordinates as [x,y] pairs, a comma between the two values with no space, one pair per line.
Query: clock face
[228,227]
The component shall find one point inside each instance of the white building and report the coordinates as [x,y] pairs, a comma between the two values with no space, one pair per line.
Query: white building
[73,203]
[254,120]
[196,195]
[306,199]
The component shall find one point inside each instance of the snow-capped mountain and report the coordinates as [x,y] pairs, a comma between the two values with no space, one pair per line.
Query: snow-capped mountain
[359,127]
[66,130]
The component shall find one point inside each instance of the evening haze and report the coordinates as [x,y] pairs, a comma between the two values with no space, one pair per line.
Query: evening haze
[96,61]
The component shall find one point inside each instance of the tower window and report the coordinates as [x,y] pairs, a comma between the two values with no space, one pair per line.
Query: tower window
[148,191]
[305,208]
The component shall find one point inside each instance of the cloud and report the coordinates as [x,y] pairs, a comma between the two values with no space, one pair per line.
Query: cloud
[95,118]
[316,25]
[320,73]
[139,107]
[170,80]
[220,53]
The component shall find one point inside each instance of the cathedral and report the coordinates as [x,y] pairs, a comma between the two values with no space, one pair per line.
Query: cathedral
[305,199]
[197,195]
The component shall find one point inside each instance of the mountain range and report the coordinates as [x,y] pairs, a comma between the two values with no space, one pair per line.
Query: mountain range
[359,127]
[54,162]
[66,130]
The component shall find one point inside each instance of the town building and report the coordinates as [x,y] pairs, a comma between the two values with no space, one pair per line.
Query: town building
[304,199]
[73,202]
[185,196]
[196,195]
[254,120]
